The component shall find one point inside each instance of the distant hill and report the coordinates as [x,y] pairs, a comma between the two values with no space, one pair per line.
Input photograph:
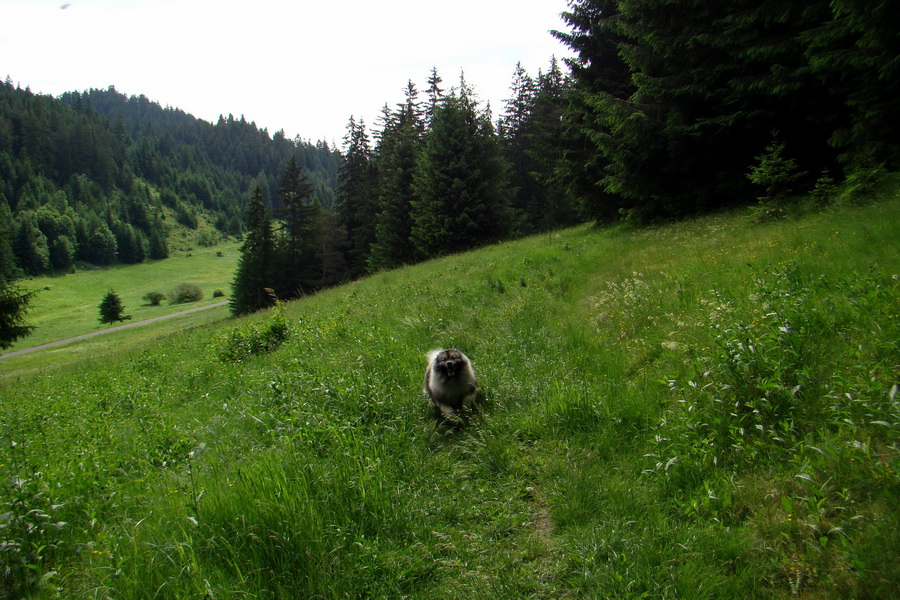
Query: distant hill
[98,176]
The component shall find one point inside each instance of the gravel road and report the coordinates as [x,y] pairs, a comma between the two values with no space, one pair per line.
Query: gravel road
[116,328]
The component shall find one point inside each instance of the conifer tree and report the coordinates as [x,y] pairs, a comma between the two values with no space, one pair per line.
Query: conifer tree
[356,195]
[398,150]
[461,198]
[295,214]
[112,309]
[513,129]
[30,246]
[435,94]
[255,269]
[602,83]
[14,303]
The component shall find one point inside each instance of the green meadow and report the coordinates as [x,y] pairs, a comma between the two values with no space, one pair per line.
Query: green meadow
[702,410]
[67,305]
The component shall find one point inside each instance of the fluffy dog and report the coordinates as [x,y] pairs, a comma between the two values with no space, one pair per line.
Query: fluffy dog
[449,382]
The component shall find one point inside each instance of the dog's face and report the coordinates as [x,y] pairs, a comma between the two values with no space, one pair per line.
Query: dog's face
[449,362]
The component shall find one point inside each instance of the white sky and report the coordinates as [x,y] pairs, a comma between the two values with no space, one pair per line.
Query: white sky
[302,66]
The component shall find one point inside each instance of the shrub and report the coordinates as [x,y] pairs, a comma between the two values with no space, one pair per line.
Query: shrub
[218,294]
[185,292]
[154,298]
[776,175]
[243,342]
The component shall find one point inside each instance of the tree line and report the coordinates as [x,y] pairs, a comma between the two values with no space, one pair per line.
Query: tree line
[438,176]
[670,108]
[98,177]
[673,101]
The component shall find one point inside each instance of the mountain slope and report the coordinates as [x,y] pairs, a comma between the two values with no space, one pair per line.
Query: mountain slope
[98,177]
[699,410]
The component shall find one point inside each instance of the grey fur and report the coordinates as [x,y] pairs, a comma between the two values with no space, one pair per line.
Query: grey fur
[449,382]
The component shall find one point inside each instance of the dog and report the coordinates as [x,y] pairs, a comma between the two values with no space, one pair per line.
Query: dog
[450,383]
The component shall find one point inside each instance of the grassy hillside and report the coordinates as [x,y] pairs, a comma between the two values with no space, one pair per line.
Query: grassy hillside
[67,305]
[704,410]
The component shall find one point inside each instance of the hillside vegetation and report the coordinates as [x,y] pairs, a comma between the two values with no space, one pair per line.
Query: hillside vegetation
[702,410]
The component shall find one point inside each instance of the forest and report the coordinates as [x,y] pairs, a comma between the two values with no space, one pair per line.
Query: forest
[669,108]
[97,177]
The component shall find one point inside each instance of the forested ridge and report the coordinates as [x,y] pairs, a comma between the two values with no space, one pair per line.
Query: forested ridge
[100,177]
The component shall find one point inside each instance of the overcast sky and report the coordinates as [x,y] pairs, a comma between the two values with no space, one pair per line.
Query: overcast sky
[301,66]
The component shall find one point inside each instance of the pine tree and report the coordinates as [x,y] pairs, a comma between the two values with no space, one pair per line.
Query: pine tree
[854,53]
[398,149]
[513,128]
[112,309]
[435,94]
[30,246]
[14,303]
[461,198]
[551,203]
[356,195]
[295,213]
[602,84]
[328,240]
[254,276]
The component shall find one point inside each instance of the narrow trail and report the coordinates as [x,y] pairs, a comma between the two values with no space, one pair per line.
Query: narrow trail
[110,329]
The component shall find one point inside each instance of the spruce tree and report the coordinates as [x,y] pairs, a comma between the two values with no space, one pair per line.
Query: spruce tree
[356,196]
[295,214]
[112,309]
[396,156]
[14,303]
[601,84]
[254,276]
[461,198]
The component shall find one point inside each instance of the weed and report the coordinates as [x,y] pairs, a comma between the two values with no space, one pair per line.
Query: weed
[255,338]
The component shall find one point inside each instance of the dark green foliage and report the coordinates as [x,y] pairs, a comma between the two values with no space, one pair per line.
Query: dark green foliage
[532,134]
[296,216]
[776,174]
[157,244]
[255,275]
[30,246]
[248,340]
[101,247]
[672,97]
[327,245]
[397,156]
[14,303]
[356,195]
[185,292]
[460,180]
[97,161]
[112,309]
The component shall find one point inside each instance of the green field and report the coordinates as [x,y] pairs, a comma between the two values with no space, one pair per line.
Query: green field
[67,305]
[702,410]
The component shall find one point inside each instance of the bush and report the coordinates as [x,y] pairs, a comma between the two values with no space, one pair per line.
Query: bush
[185,292]
[154,298]
[243,342]
[776,175]
[218,294]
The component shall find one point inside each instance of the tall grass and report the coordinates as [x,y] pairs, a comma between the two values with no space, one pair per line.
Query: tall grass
[702,410]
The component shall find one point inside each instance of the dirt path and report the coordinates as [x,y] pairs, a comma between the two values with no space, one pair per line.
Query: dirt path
[116,328]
